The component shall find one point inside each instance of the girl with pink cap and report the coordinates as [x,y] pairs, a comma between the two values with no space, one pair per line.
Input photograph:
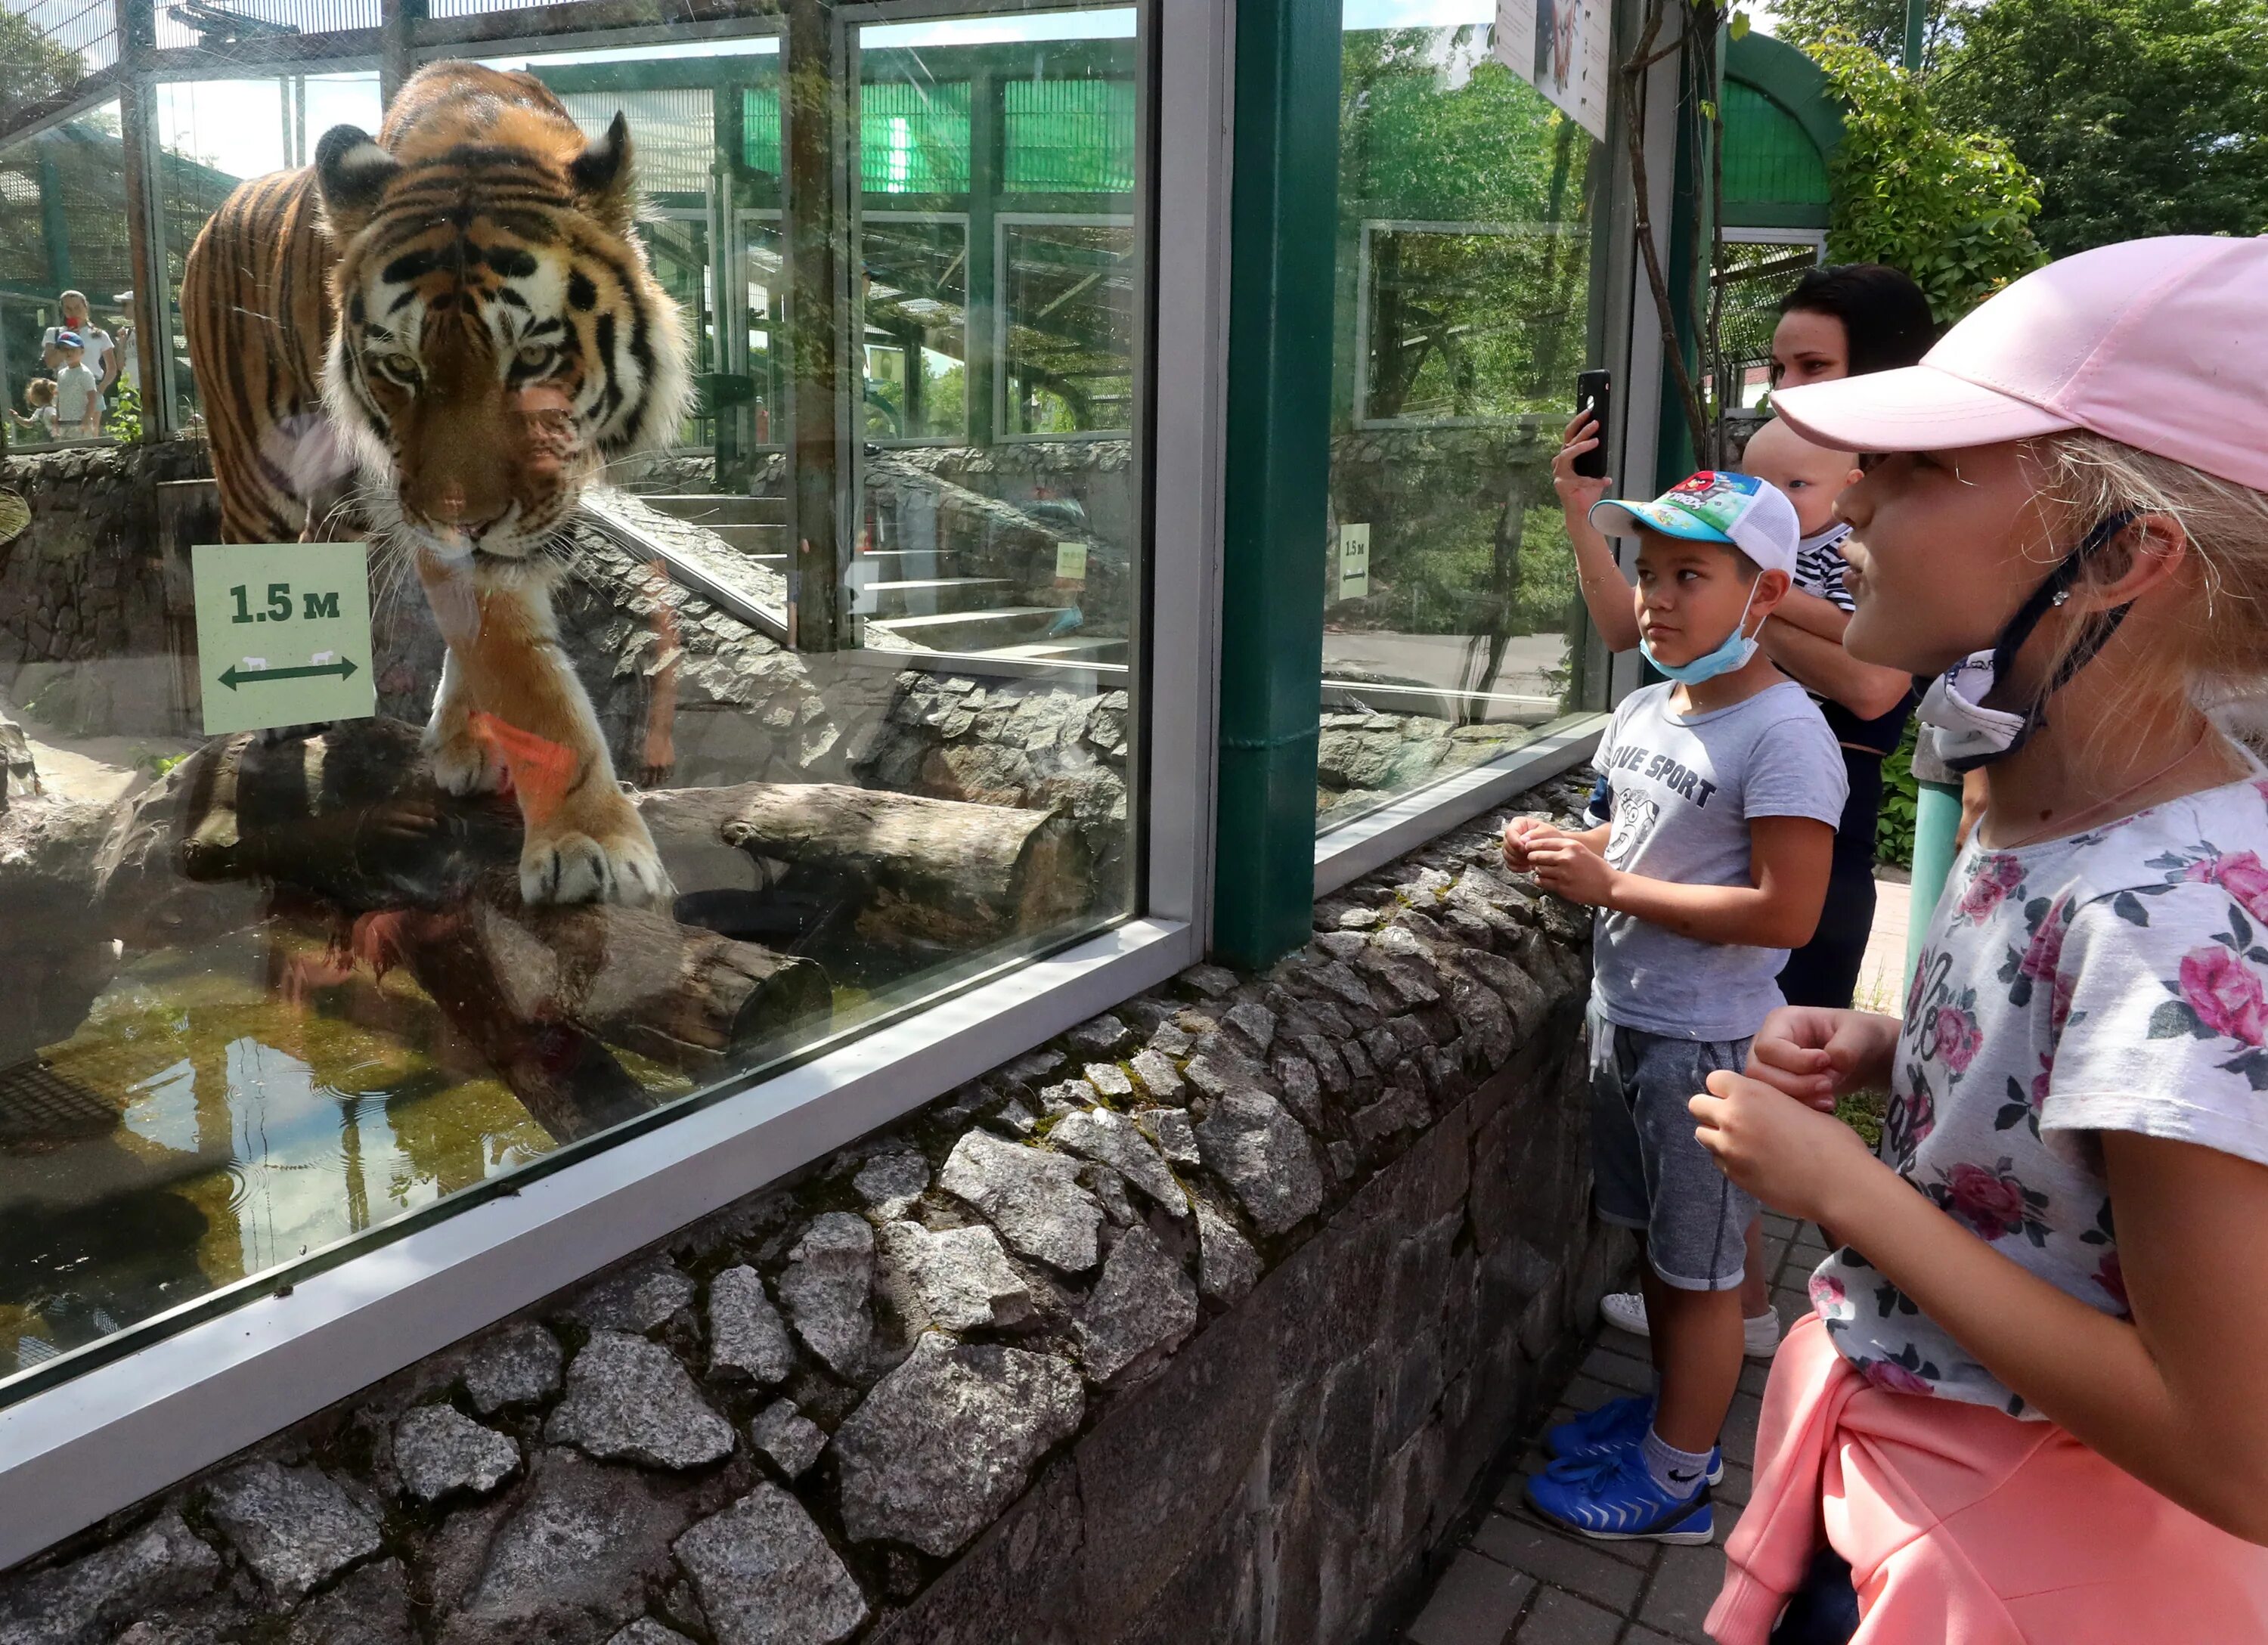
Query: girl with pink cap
[2027,1407]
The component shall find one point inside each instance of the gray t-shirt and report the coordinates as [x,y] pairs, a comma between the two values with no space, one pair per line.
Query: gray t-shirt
[1684,791]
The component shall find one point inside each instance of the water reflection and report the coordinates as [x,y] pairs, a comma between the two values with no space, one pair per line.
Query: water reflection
[205,1124]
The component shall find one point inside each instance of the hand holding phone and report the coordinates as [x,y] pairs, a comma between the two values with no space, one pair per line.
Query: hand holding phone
[1593,400]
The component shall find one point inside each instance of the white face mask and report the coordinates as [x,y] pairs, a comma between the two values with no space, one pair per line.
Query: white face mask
[1969,734]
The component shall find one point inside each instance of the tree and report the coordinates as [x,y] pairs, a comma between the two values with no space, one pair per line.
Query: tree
[1879,26]
[2138,116]
[1952,207]
[32,66]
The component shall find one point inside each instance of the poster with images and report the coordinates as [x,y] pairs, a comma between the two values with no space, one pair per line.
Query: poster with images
[1561,48]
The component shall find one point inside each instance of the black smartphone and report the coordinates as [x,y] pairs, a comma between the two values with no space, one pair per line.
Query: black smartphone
[1594,392]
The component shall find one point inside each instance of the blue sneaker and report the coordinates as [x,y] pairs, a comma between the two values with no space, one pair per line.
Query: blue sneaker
[1613,1499]
[1618,1425]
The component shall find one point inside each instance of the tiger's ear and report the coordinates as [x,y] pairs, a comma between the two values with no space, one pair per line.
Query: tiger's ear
[352,172]
[604,179]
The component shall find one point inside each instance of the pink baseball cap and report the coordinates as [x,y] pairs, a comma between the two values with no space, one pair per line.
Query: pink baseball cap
[2161,345]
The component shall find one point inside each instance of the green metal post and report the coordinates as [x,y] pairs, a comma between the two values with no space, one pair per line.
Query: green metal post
[1284,224]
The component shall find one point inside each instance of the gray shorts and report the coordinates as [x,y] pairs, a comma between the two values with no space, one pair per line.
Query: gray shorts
[1652,1174]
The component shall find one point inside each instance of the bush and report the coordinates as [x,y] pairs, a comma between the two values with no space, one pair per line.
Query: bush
[1952,208]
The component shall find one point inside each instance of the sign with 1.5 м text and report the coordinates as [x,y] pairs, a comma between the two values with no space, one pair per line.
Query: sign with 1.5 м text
[282,633]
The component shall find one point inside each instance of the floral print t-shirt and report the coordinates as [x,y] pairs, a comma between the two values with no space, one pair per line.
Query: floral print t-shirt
[2116,980]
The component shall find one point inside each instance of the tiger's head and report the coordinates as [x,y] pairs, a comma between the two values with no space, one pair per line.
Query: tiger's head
[499,337]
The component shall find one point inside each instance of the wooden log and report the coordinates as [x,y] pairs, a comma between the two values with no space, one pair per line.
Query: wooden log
[932,871]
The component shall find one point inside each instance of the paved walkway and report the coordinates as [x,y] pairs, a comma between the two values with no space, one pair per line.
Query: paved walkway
[1517,1581]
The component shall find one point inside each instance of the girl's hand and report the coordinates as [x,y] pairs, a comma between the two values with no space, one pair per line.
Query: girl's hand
[1815,1055]
[1568,867]
[1578,491]
[1522,833]
[1795,1159]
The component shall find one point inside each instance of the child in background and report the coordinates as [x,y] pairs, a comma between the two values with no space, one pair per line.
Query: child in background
[40,403]
[1725,789]
[79,401]
[2027,1407]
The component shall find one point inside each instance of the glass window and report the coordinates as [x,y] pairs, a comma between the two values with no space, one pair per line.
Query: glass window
[63,227]
[850,661]
[1452,633]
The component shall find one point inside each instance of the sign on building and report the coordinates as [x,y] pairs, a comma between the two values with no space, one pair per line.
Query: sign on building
[1561,48]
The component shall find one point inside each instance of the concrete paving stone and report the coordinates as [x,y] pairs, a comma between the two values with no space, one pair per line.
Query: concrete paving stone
[1685,1585]
[1618,1370]
[1558,1618]
[1476,1603]
[1580,1567]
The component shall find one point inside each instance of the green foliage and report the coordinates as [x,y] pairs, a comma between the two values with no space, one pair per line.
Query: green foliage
[1953,209]
[1894,823]
[32,66]
[2139,117]
[1879,26]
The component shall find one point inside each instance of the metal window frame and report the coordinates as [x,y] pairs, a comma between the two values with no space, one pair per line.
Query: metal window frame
[75,1452]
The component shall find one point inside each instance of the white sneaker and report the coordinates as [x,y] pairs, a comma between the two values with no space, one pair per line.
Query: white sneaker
[1625,1310]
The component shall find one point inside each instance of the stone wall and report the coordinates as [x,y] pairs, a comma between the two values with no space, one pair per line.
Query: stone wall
[1199,1324]
[84,639]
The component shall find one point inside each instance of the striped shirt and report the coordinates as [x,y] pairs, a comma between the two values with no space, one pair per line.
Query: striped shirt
[1819,566]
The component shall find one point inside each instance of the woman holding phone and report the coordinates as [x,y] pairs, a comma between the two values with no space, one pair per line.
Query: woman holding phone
[1842,321]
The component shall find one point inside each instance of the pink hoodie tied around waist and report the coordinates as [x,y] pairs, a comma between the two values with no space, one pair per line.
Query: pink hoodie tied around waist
[1964,1526]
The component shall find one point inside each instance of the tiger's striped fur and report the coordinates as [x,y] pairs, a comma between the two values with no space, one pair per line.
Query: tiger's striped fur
[456,315]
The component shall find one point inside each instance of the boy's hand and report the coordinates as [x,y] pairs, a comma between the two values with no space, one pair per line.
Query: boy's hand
[1814,1055]
[1568,867]
[1578,491]
[1523,834]
[1795,1159]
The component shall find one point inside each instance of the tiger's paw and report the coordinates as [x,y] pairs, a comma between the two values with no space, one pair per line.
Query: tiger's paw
[618,865]
[461,765]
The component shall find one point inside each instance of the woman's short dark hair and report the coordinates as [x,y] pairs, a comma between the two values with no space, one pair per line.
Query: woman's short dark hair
[1886,319]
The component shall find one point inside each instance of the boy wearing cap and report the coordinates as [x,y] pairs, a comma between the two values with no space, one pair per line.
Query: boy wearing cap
[78,399]
[1726,785]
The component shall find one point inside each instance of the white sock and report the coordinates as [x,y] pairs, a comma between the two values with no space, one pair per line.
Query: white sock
[1680,1473]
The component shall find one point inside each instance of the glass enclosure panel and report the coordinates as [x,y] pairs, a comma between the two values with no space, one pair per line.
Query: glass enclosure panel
[1067,313]
[849,662]
[1452,633]
[63,227]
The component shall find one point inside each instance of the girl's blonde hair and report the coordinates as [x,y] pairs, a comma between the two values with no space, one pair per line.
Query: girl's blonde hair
[40,391]
[2216,647]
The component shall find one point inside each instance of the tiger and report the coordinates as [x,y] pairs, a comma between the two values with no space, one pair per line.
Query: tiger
[451,328]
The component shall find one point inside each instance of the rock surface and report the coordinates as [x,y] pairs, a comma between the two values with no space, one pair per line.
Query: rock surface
[296,1527]
[1227,1267]
[370,1607]
[766,1576]
[437,1449]
[636,1300]
[791,1439]
[890,1183]
[948,1439]
[519,1365]
[574,1559]
[1250,1143]
[960,1278]
[91,1598]
[1141,1309]
[746,1336]
[830,1274]
[629,1399]
[1033,1198]
[1097,1133]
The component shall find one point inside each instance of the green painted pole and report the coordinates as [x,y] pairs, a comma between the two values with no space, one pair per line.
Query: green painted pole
[1284,217]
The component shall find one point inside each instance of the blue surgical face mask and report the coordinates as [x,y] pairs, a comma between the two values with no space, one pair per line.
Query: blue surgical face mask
[1737,647]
